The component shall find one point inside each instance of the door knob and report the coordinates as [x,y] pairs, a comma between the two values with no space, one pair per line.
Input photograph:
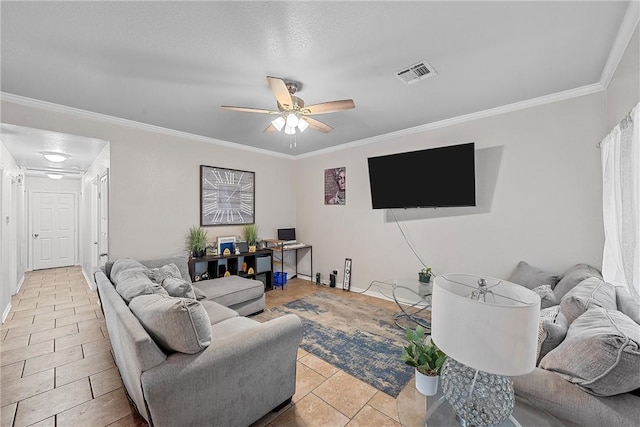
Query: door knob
[104,254]
[35,235]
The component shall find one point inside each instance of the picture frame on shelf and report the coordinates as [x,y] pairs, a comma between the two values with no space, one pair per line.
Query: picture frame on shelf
[226,243]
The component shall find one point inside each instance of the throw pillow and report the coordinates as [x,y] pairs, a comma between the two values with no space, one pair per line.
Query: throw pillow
[199,294]
[176,324]
[628,304]
[552,330]
[178,288]
[601,353]
[124,264]
[132,283]
[547,297]
[570,278]
[546,315]
[532,277]
[159,274]
[591,291]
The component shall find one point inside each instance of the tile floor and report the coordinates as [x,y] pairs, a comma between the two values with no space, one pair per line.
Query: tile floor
[57,368]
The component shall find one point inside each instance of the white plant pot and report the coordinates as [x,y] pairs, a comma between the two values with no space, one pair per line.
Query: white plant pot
[426,384]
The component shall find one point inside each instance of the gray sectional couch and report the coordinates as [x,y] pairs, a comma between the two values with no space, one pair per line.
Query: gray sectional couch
[190,362]
[588,371]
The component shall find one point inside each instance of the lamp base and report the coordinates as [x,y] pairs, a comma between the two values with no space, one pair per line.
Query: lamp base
[478,398]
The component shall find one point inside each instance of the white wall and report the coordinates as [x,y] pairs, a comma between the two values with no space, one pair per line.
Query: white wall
[624,90]
[546,208]
[154,180]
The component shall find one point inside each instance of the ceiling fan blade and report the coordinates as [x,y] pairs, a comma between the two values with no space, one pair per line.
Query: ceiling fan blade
[280,91]
[249,110]
[318,125]
[270,129]
[329,107]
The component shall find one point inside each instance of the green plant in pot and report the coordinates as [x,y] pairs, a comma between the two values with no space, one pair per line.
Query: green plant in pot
[250,234]
[197,241]
[424,275]
[425,357]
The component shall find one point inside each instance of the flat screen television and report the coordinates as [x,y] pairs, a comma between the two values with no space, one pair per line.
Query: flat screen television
[435,177]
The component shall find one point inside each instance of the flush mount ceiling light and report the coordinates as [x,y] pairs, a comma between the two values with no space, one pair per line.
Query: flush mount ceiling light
[55,175]
[56,157]
[293,115]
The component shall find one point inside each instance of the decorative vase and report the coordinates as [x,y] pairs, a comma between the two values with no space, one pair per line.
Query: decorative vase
[198,254]
[427,385]
[424,278]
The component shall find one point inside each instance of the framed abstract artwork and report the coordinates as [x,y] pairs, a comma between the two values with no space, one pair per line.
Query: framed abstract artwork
[335,186]
[227,196]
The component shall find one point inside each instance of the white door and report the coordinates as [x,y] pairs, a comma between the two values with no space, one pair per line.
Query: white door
[53,230]
[103,219]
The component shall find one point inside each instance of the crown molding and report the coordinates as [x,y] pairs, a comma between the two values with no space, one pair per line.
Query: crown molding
[628,26]
[530,103]
[84,114]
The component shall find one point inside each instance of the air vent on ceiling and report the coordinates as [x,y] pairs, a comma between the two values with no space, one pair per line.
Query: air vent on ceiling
[415,73]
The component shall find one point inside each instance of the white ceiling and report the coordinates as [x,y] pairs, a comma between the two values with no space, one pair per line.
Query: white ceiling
[172,64]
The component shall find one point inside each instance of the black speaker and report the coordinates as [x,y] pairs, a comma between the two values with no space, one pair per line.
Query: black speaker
[332,279]
[317,278]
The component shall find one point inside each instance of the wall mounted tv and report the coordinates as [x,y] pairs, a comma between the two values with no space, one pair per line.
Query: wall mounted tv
[435,177]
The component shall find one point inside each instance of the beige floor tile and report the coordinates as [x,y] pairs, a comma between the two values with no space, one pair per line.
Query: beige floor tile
[75,318]
[101,411]
[53,301]
[14,391]
[27,303]
[411,406]
[95,347]
[7,414]
[54,314]
[30,329]
[306,380]
[133,420]
[3,333]
[105,381]
[385,404]
[52,360]
[54,333]
[24,353]
[320,366]
[345,393]
[89,325]
[44,405]
[49,422]
[17,323]
[301,353]
[368,417]
[32,312]
[13,343]
[83,368]
[79,338]
[84,308]
[310,411]
[11,372]
[73,304]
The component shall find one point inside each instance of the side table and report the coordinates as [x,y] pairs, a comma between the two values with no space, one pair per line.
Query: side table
[413,298]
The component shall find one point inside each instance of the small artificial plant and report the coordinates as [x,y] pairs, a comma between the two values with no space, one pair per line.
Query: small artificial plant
[425,271]
[427,358]
[196,240]
[250,234]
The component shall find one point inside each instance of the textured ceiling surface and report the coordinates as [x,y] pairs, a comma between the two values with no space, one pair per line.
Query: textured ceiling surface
[172,64]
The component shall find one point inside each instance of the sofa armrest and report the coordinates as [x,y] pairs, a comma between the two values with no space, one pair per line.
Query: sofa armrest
[569,403]
[234,381]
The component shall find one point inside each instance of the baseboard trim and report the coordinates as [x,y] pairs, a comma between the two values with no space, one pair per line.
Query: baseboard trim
[20,283]
[6,312]
[90,283]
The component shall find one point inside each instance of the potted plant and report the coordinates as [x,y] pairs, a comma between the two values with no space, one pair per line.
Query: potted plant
[424,275]
[197,241]
[426,358]
[250,232]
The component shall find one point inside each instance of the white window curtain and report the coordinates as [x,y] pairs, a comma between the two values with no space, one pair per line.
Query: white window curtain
[620,153]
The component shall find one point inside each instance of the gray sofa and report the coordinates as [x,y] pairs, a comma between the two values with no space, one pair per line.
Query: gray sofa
[588,371]
[194,362]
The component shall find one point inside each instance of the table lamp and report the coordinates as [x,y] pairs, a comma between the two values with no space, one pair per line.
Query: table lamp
[489,329]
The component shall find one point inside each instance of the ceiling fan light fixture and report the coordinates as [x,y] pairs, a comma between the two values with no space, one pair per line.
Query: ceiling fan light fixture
[289,130]
[292,120]
[55,175]
[55,157]
[279,123]
[302,125]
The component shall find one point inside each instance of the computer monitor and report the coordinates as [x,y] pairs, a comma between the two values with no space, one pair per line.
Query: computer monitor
[286,234]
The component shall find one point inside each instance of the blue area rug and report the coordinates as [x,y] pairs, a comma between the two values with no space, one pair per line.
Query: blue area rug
[359,338]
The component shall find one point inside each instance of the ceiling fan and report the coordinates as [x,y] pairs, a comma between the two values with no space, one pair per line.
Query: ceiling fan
[292,113]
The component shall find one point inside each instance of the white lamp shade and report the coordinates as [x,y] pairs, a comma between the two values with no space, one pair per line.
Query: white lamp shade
[292,120]
[278,123]
[498,336]
[302,125]
[289,130]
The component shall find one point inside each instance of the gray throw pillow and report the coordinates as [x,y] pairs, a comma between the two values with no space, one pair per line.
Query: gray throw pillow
[551,333]
[158,275]
[547,297]
[570,278]
[532,277]
[628,304]
[590,292]
[125,264]
[601,353]
[178,288]
[175,324]
[547,315]
[135,282]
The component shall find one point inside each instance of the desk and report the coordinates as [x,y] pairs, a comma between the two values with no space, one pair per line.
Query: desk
[280,247]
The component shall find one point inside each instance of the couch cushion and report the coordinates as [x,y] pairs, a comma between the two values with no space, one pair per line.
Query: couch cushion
[176,324]
[601,353]
[547,297]
[217,312]
[124,264]
[570,278]
[178,288]
[159,274]
[628,304]
[591,291]
[552,330]
[135,282]
[531,277]
[231,290]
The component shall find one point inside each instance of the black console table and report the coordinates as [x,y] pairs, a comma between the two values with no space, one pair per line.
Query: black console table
[261,261]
